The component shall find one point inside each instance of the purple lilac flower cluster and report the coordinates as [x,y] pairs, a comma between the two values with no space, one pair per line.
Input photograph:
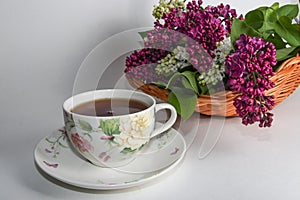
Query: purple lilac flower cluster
[249,69]
[204,27]
[196,28]
[141,65]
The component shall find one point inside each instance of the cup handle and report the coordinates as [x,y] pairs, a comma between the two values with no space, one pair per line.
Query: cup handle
[168,124]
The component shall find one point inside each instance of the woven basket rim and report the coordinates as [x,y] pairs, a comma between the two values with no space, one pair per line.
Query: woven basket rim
[286,78]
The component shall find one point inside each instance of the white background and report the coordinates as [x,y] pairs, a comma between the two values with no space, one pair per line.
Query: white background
[42,45]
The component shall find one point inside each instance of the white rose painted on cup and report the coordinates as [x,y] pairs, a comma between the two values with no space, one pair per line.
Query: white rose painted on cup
[134,131]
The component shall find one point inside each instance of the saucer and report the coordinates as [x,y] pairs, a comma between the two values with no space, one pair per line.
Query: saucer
[55,156]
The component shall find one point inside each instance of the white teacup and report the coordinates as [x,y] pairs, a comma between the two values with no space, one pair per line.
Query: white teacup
[113,141]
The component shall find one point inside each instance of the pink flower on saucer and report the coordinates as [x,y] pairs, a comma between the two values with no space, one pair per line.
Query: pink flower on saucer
[82,144]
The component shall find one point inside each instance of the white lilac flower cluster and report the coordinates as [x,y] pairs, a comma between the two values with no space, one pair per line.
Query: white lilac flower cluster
[217,72]
[164,6]
[173,61]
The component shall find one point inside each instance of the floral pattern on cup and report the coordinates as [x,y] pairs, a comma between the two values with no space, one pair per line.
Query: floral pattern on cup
[128,132]
[82,144]
[69,122]
[56,143]
[50,165]
[133,131]
[122,134]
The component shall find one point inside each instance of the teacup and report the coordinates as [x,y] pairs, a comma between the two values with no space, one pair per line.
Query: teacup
[115,140]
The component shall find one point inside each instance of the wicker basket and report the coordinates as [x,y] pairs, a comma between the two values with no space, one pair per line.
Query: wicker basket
[286,78]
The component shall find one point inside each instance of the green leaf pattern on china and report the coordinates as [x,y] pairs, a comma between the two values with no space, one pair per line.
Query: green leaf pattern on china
[85,125]
[110,126]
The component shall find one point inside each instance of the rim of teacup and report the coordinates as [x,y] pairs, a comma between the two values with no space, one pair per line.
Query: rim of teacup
[68,103]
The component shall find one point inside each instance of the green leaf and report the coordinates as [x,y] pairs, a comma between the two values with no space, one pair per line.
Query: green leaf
[270,18]
[110,126]
[275,6]
[191,78]
[160,84]
[88,135]
[239,27]
[128,150]
[263,9]
[289,10]
[184,100]
[186,83]
[85,125]
[283,54]
[288,31]
[51,142]
[143,34]
[255,19]
[171,80]
[277,41]
[204,89]
[237,30]
[62,145]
